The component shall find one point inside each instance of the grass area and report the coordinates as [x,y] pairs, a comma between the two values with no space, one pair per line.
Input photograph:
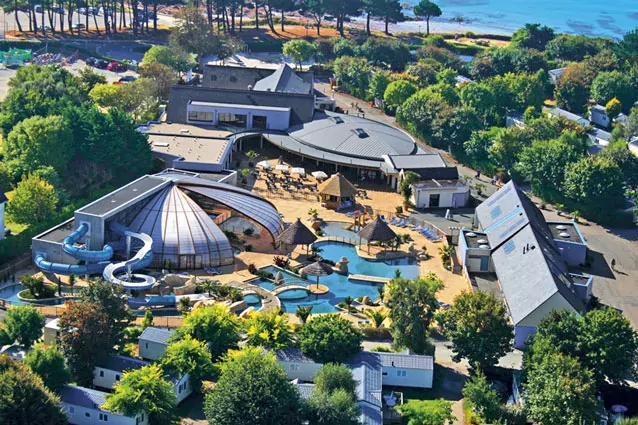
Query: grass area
[26,294]
[421,394]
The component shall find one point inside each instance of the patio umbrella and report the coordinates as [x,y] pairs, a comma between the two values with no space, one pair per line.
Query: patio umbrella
[377,231]
[319,175]
[298,170]
[281,167]
[297,234]
[618,408]
[318,269]
[265,165]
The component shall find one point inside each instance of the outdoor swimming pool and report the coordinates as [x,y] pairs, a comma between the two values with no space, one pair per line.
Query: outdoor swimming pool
[10,293]
[340,287]
[338,229]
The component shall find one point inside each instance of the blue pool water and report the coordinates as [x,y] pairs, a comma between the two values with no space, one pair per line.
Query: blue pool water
[253,301]
[338,229]
[10,294]
[340,287]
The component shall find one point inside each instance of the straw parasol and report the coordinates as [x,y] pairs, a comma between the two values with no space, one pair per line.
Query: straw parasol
[336,189]
[297,234]
[318,269]
[377,231]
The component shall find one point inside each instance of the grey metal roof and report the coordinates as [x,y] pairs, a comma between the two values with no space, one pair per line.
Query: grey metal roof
[598,108]
[158,335]
[291,354]
[124,195]
[368,379]
[121,363]
[528,264]
[284,80]
[370,415]
[556,72]
[80,396]
[406,361]
[327,133]
[599,134]
[570,116]
[305,390]
[426,160]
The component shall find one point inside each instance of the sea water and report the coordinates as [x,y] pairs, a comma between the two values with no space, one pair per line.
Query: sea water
[587,17]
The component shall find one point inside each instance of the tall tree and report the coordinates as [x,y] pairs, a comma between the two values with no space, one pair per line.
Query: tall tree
[299,50]
[269,330]
[479,328]
[533,36]
[145,390]
[482,398]
[85,338]
[560,391]
[332,377]
[189,356]
[412,305]
[194,34]
[49,364]
[253,389]
[330,338]
[24,399]
[215,325]
[336,408]
[112,301]
[316,9]
[24,324]
[427,9]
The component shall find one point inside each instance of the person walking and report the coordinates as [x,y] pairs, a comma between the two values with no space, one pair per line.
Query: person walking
[613,264]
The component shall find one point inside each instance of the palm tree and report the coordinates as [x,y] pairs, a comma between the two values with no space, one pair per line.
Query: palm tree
[381,290]
[184,305]
[348,302]
[446,252]
[235,294]
[376,316]
[303,313]
[209,285]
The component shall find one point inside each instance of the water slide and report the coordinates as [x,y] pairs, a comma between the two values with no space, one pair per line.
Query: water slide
[98,259]
[143,258]
[153,300]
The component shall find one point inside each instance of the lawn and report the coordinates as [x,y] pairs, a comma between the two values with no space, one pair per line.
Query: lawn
[420,394]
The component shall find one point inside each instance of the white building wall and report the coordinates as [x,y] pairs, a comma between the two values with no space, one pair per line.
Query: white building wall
[151,350]
[78,416]
[555,302]
[421,196]
[303,371]
[106,378]
[183,388]
[51,332]
[415,378]
[276,120]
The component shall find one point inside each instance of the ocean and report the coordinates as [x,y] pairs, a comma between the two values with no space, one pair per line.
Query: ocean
[587,17]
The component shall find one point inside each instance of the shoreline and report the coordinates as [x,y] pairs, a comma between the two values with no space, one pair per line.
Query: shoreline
[436,27]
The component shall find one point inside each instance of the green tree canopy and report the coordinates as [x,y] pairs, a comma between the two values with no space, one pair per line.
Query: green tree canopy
[23,325]
[483,399]
[386,52]
[572,91]
[189,356]
[614,84]
[24,399]
[398,92]
[479,328]
[412,305]
[330,338]
[427,9]
[424,72]
[379,81]
[533,36]
[49,364]
[613,108]
[112,301]
[168,56]
[335,408]
[332,377]
[560,391]
[215,325]
[145,390]
[194,34]
[253,389]
[571,47]
[299,50]
[269,330]
[352,74]
[33,202]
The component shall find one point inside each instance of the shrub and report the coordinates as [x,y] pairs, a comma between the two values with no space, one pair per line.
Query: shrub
[283,262]
[252,269]
[376,334]
[248,231]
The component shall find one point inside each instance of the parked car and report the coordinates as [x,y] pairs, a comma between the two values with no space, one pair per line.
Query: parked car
[90,61]
[38,8]
[45,28]
[127,79]
[94,10]
[82,11]
[59,10]
[101,63]
[78,26]
[116,67]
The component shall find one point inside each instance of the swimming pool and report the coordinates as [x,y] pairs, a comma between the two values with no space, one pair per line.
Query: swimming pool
[10,293]
[338,229]
[340,287]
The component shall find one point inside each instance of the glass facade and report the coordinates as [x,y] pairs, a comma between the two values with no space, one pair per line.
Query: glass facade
[200,116]
[238,120]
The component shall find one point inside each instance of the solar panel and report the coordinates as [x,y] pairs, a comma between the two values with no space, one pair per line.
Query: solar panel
[509,247]
[495,212]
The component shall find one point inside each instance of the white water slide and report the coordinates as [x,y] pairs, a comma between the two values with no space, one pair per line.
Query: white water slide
[119,273]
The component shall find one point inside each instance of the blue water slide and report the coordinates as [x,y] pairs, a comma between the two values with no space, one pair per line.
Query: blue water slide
[69,269]
[84,254]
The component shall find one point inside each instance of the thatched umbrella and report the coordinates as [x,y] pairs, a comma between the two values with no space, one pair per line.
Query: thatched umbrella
[336,190]
[297,234]
[318,269]
[377,231]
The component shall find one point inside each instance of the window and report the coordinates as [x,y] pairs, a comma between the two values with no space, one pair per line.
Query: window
[385,373]
[71,409]
[401,373]
[435,198]
[179,389]
[117,377]
[260,121]
[104,417]
[101,374]
[294,367]
[87,415]
[213,77]
[200,116]
[238,120]
[146,345]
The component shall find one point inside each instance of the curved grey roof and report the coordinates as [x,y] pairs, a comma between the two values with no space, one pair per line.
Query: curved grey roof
[354,136]
[182,231]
